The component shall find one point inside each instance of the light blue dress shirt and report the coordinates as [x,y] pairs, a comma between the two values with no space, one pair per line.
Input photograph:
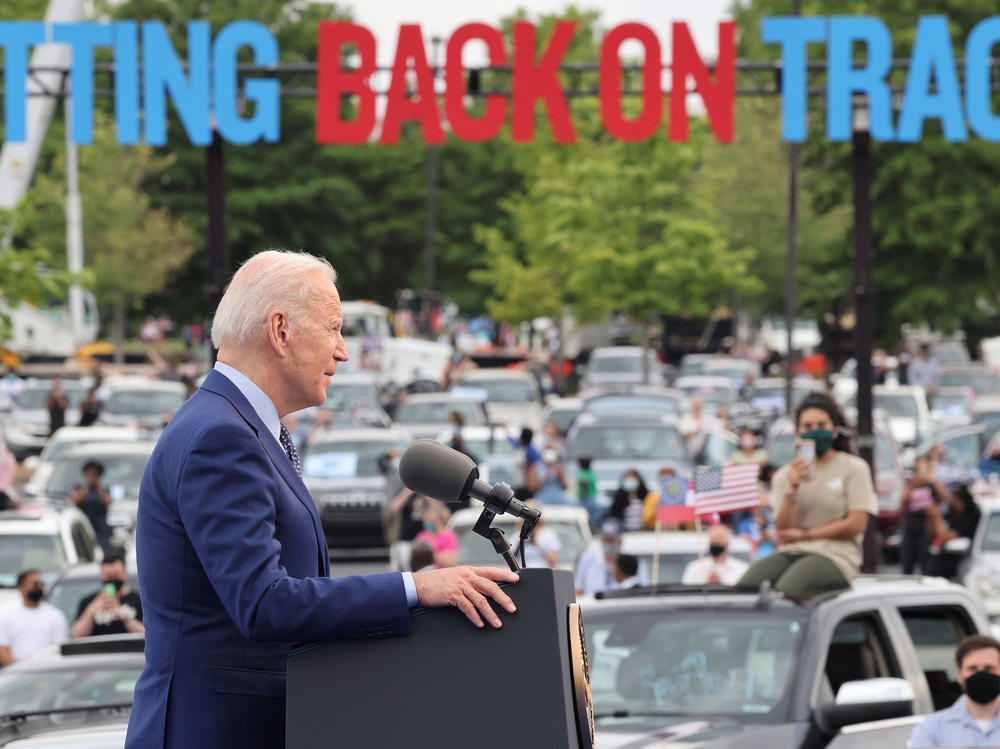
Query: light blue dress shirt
[264,406]
[953,726]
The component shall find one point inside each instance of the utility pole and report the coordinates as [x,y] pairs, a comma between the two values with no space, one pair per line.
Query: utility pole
[430,251]
[864,308]
[790,260]
[218,246]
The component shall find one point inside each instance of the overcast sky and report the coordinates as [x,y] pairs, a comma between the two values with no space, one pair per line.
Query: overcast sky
[442,17]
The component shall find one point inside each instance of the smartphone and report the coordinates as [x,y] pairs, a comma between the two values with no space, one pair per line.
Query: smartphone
[806,450]
[110,590]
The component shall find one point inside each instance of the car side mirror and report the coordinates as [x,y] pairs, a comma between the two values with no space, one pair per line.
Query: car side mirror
[30,463]
[867,701]
[958,545]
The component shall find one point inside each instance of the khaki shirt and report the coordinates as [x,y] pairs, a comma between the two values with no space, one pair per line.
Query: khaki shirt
[842,484]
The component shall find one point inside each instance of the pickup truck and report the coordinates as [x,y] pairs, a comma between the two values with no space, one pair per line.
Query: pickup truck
[678,666]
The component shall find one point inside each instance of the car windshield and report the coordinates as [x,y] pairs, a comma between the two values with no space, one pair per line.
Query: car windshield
[563,418]
[68,688]
[713,394]
[784,445]
[32,399]
[898,406]
[962,453]
[67,592]
[692,367]
[119,470]
[951,404]
[991,423]
[346,460]
[483,447]
[632,404]
[436,412]
[504,391]
[620,364]
[670,567]
[776,394]
[732,373]
[29,551]
[983,383]
[342,396]
[629,442]
[692,663]
[475,550]
[143,402]
[991,538]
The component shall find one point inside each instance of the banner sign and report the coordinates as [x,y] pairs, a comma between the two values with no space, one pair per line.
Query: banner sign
[205,91]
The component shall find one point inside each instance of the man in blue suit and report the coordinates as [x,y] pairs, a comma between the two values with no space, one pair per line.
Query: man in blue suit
[233,563]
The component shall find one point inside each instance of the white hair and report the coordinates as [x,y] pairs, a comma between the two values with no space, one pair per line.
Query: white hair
[270,279]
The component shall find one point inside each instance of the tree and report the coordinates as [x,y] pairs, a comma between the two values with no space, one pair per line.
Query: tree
[131,247]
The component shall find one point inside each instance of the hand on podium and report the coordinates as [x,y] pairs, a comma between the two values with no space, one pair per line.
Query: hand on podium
[467,589]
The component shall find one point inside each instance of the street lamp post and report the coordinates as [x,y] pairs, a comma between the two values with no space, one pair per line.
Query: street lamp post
[864,308]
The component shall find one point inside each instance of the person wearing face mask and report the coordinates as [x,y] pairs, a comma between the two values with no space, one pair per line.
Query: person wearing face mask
[435,532]
[33,624]
[972,720]
[823,507]
[115,609]
[627,503]
[718,568]
[748,451]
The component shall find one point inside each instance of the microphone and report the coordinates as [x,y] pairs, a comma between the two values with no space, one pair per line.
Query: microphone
[437,471]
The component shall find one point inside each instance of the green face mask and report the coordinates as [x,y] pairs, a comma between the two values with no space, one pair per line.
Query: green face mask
[823,438]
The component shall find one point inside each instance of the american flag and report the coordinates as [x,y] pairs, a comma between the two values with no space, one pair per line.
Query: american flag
[728,489]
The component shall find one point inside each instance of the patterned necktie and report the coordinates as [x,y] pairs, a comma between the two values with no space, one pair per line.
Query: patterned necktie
[285,438]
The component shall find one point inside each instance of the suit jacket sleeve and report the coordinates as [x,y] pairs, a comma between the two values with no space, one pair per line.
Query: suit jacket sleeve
[226,501]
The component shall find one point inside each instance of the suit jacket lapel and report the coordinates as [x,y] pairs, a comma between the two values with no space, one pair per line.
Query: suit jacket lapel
[221,385]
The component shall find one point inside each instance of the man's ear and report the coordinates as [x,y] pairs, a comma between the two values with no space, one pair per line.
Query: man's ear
[278,331]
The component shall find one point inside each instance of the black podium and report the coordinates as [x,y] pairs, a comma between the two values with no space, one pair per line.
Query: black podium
[450,685]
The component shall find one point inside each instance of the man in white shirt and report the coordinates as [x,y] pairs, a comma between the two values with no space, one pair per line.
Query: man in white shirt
[32,625]
[718,567]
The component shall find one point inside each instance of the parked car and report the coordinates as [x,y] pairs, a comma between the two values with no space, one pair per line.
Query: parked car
[78,694]
[906,408]
[694,364]
[712,390]
[64,439]
[621,365]
[571,523]
[425,415]
[345,474]
[43,538]
[720,669]
[962,455]
[26,425]
[677,549]
[124,464]
[618,442]
[512,397]
[981,569]
[768,394]
[141,402]
[734,370]
[73,583]
[889,476]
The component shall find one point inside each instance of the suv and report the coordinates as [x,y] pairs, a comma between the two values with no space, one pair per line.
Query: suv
[42,538]
[721,668]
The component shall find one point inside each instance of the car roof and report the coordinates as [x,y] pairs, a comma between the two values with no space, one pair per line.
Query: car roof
[952,390]
[617,351]
[482,431]
[986,403]
[31,520]
[490,373]
[863,588]
[728,362]
[589,418]
[86,449]
[354,378]
[443,397]
[915,391]
[103,651]
[638,391]
[374,434]
[705,380]
[972,367]
[552,513]
[145,383]
[559,404]
[104,433]
[771,382]
[646,542]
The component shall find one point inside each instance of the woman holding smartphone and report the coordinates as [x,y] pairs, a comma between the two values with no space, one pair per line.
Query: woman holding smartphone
[823,498]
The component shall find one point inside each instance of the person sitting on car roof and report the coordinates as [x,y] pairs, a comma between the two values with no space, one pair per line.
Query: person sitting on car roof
[115,609]
[823,506]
